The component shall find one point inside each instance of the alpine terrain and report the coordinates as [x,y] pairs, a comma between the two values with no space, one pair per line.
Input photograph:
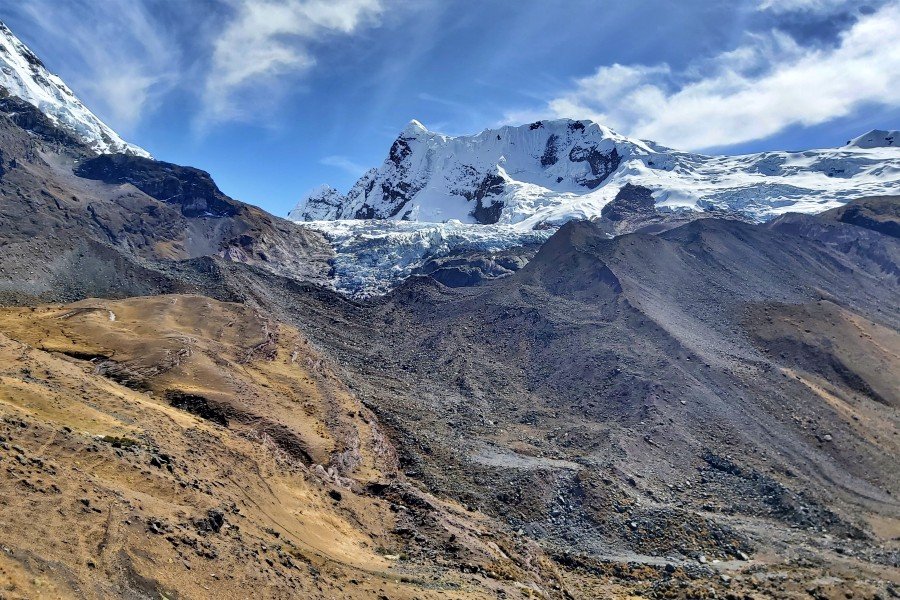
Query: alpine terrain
[519,184]
[545,361]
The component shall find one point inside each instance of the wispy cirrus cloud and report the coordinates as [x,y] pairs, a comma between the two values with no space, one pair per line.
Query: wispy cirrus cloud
[345,164]
[269,39]
[238,58]
[122,61]
[787,6]
[750,93]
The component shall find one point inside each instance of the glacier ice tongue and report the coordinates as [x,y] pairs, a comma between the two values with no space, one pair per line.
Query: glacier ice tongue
[372,257]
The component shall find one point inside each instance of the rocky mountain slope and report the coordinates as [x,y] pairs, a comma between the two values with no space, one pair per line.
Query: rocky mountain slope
[179,447]
[718,390]
[550,172]
[23,75]
[709,409]
[116,224]
[649,404]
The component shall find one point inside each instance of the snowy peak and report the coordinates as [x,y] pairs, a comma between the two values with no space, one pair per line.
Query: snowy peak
[413,129]
[546,173]
[317,204]
[428,176]
[877,138]
[22,74]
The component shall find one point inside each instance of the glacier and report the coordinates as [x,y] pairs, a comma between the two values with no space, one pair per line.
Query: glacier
[372,257]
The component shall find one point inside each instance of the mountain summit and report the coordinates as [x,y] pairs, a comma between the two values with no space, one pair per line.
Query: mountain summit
[22,74]
[549,172]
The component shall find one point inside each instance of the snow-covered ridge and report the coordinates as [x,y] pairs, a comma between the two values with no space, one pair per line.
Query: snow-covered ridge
[506,187]
[549,172]
[22,74]
[877,138]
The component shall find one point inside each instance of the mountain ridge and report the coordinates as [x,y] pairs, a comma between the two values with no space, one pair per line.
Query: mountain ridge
[24,75]
[552,171]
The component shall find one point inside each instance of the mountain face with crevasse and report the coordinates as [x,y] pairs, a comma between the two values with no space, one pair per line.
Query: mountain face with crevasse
[549,172]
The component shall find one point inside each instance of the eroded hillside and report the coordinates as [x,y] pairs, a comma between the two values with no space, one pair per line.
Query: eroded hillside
[181,447]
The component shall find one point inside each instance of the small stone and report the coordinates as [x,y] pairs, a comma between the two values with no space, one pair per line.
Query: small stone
[702,559]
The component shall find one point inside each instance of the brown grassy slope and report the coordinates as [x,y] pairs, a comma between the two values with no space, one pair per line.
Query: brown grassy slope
[108,490]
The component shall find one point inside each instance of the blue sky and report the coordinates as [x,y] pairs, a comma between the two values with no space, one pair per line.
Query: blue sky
[274,98]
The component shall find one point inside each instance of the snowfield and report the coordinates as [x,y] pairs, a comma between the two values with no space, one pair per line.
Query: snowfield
[550,172]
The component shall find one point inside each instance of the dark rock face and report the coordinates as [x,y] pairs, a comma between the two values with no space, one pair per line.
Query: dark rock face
[632,200]
[487,212]
[881,214]
[192,189]
[856,216]
[394,192]
[400,150]
[549,157]
[397,195]
[602,164]
[30,118]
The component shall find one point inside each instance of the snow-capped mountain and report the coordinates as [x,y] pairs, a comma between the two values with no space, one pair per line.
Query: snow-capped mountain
[877,138]
[549,172]
[325,197]
[513,186]
[22,74]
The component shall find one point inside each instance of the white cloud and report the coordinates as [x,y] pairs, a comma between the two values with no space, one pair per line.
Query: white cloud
[345,164]
[121,61]
[751,93]
[267,39]
[819,6]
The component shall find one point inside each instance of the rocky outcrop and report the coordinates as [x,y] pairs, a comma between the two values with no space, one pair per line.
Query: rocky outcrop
[192,190]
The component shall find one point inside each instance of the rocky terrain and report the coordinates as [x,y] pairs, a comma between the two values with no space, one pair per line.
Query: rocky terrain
[76,224]
[648,404]
[180,447]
